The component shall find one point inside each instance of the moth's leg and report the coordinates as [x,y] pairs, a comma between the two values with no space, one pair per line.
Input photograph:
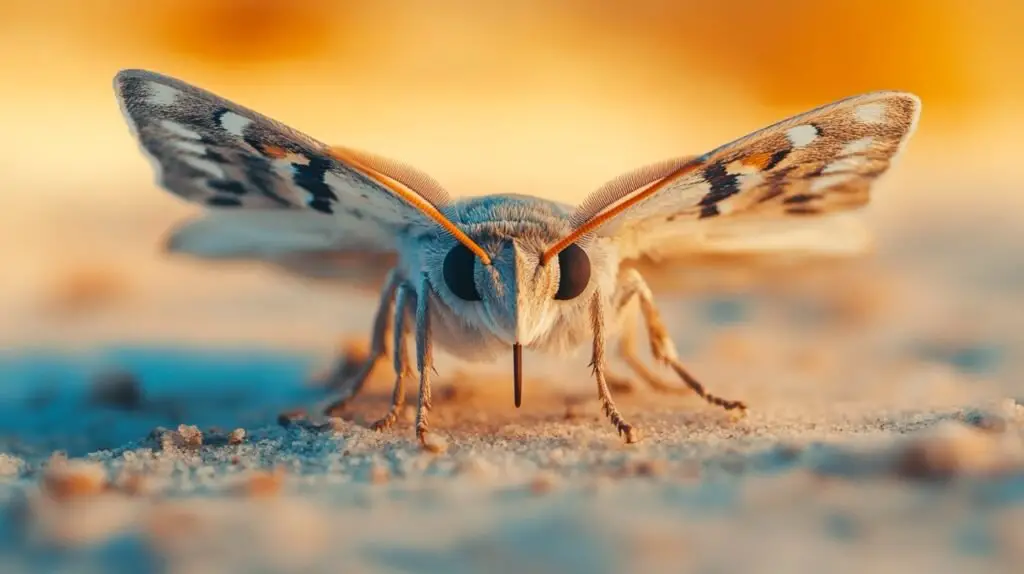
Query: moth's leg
[662,347]
[628,312]
[618,382]
[424,358]
[598,364]
[349,384]
[404,307]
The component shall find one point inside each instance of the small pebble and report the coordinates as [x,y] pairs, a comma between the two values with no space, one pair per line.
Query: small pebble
[951,449]
[187,436]
[1007,414]
[65,479]
[236,436]
[119,389]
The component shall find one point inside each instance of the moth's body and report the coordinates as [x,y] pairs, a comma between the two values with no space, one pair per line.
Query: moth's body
[481,276]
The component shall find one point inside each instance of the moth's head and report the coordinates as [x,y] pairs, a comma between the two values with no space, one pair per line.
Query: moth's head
[519,297]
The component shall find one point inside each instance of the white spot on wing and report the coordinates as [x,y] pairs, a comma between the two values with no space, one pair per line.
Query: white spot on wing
[204,165]
[801,136]
[844,164]
[827,181]
[179,130]
[851,156]
[189,146]
[234,124]
[161,95]
[873,113]
[748,180]
[857,146]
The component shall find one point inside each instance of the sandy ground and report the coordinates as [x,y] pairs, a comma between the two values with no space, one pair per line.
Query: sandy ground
[884,433]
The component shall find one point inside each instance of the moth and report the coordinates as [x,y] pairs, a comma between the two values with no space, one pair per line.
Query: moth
[480,276]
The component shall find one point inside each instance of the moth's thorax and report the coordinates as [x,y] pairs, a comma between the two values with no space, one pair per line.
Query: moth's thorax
[517,293]
[497,217]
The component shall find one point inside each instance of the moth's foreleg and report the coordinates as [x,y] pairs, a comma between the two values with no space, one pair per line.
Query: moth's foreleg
[424,358]
[599,366]
[662,347]
[404,307]
[350,383]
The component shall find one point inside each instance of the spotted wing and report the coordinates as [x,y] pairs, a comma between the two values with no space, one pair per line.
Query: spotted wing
[761,188]
[284,191]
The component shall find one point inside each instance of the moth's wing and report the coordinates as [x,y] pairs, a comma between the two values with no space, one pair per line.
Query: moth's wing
[304,194]
[754,251]
[761,192]
[359,269]
[290,241]
[838,234]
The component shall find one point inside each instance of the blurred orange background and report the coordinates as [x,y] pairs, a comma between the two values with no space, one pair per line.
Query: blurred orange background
[536,97]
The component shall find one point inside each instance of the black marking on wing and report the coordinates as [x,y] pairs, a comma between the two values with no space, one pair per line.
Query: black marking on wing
[800,198]
[777,158]
[723,184]
[311,178]
[321,205]
[260,175]
[253,141]
[707,211]
[803,210]
[213,155]
[224,201]
[218,114]
[777,182]
[232,187]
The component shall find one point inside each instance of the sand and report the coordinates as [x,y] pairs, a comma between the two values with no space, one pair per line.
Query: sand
[139,425]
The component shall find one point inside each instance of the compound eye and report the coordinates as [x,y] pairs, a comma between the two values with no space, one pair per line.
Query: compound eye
[574,272]
[458,273]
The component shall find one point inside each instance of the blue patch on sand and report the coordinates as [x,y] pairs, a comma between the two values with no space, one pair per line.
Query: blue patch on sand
[45,399]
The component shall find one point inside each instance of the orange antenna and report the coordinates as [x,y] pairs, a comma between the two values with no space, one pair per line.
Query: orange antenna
[416,200]
[601,218]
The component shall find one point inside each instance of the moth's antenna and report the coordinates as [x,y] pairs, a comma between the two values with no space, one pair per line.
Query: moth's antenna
[517,373]
[629,200]
[414,199]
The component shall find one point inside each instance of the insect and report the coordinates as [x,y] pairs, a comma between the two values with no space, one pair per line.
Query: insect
[480,276]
